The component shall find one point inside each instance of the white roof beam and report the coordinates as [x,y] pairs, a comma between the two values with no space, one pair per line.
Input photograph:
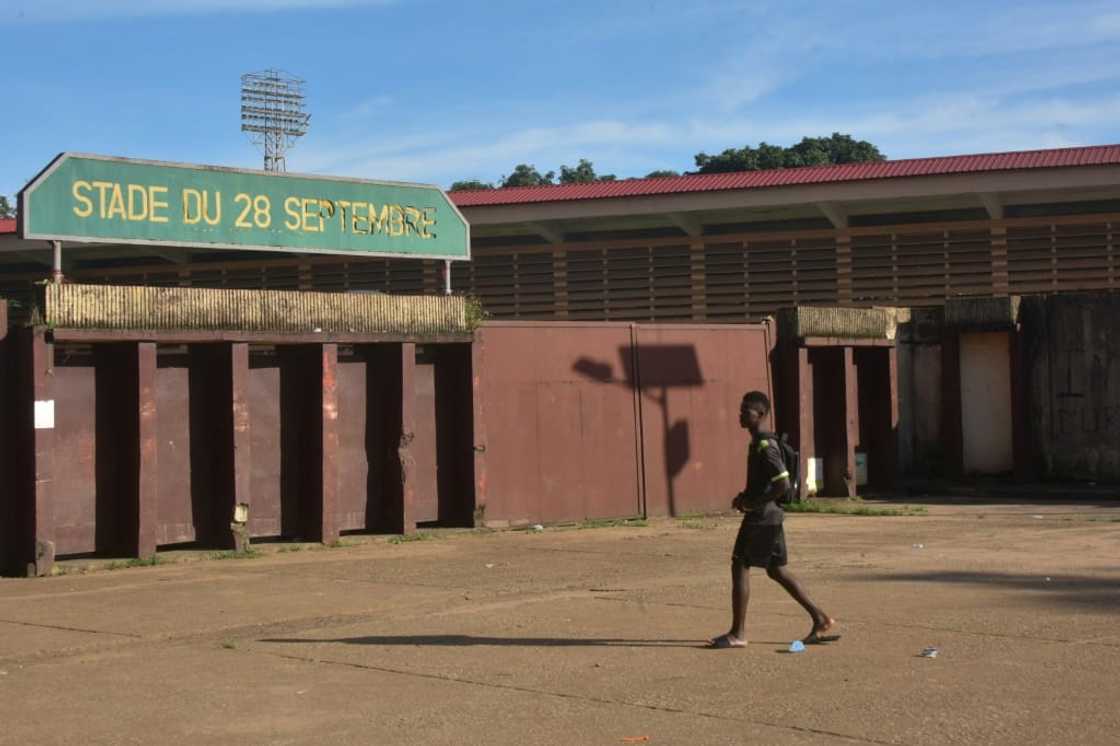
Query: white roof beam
[687,223]
[552,234]
[836,215]
[993,204]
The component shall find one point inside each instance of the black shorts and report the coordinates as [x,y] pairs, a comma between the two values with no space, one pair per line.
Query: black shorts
[760,546]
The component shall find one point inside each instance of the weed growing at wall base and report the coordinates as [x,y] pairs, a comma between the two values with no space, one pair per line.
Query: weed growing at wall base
[851,507]
[406,538]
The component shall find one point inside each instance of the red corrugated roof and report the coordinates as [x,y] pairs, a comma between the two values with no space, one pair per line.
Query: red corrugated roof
[1098,155]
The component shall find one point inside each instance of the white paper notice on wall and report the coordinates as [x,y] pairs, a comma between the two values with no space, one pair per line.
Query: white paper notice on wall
[44,415]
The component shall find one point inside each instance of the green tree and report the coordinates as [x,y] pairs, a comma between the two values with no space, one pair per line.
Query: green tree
[811,151]
[527,175]
[662,173]
[6,209]
[470,185]
[584,173]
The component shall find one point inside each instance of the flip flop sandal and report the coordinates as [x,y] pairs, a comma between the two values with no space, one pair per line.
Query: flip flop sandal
[723,643]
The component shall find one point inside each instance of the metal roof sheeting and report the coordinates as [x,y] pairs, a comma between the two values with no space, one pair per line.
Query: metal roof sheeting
[1098,155]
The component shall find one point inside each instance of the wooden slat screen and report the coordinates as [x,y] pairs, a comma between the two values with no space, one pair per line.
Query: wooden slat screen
[920,261]
[633,283]
[770,276]
[735,277]
[920,268]
[671,274]
[816,272]
[397,276]
[1085,257]
[511,285]
[969,262]
[1031,259]
[587,289]
[627,284]
[752,280]
[725,281]
[874,270]
[536,285]
[1062,257]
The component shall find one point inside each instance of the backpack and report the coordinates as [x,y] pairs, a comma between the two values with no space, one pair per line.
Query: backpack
[792,461]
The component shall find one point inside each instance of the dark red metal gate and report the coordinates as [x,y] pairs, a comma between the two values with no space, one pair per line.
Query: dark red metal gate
[592,420]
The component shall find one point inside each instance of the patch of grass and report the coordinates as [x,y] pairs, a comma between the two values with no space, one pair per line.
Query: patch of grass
[614,523]
[229,644]
[291,548]
[696,523]
[406,538]
[231,554]
[850,507]
[152,561]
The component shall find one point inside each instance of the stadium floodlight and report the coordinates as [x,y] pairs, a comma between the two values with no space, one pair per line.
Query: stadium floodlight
[273,113]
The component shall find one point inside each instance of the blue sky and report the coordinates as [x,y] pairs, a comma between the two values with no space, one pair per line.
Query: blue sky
[433,91]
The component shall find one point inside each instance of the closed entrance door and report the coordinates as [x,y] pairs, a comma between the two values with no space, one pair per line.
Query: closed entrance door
[986,402]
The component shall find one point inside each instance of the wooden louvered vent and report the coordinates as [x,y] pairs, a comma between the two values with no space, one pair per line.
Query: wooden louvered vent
[920,269]
[1062,257]
[511,285]
[752,280]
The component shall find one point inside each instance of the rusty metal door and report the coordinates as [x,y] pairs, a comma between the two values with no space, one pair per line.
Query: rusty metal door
[74,493]
[179,519]
[353,457]
[560,422]
[692,378]
[266,446]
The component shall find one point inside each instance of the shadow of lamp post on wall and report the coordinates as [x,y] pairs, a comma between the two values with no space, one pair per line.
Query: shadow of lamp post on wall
[653,370]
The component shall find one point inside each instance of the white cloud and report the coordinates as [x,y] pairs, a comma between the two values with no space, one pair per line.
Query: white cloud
[368,107]
[751,74]
[448,156]
[920,126]
[62,11]
[924,125]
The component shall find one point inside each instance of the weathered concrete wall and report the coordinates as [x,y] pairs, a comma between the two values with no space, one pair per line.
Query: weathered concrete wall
[919,391]
[1072,360]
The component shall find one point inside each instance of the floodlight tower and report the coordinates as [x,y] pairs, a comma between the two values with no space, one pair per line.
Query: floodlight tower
[272,112]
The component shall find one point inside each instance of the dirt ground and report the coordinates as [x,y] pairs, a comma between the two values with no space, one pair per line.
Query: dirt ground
[588,637]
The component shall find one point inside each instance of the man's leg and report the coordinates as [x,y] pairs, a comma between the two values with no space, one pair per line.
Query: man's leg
[822,622]
[740,596]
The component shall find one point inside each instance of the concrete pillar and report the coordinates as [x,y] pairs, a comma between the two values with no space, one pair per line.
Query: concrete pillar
[796,414]
[406,462]
[479,426]
[890,456]
[851,420]
[33,456]
[240,475]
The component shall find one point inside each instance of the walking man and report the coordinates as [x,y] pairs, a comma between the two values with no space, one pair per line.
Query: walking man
[761,541]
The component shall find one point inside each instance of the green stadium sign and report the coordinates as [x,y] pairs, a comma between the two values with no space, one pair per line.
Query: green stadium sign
[95,199]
